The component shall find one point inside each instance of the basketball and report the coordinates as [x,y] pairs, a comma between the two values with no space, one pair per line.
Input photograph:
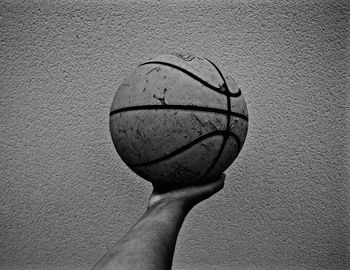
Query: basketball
[177,120]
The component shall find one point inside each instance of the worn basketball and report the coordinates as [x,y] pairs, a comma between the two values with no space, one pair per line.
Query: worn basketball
[178,120]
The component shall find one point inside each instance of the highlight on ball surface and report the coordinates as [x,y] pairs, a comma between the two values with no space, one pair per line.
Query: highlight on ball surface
[177,119]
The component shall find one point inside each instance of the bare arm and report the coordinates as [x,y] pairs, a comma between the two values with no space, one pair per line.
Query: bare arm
[150,244]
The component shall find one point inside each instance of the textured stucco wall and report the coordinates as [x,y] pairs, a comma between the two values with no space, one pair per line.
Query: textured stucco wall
[65,195]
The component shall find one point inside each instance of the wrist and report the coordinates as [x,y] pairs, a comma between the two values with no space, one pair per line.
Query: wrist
[165,203]
[169,206]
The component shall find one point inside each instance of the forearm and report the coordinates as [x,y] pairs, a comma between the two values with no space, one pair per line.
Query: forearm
[150,243]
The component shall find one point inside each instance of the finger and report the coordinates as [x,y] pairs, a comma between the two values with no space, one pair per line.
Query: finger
[216,183]
[209,188]
[166,187]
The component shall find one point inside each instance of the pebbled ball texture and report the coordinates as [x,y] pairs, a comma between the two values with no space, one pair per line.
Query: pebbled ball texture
[177,120]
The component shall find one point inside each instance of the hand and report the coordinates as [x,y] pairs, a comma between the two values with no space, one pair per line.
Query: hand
[189,196]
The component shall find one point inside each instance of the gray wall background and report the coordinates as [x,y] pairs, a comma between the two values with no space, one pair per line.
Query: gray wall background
[65,195]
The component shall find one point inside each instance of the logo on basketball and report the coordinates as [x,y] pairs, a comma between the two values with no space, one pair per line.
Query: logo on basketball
[185,57]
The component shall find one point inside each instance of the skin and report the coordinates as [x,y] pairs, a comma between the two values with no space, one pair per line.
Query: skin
[150,243]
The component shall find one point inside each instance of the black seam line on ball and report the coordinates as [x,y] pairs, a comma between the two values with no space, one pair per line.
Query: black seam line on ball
[228,97]
[178,107]
[227,124]
[188,146]
[216,89]
[226,90]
